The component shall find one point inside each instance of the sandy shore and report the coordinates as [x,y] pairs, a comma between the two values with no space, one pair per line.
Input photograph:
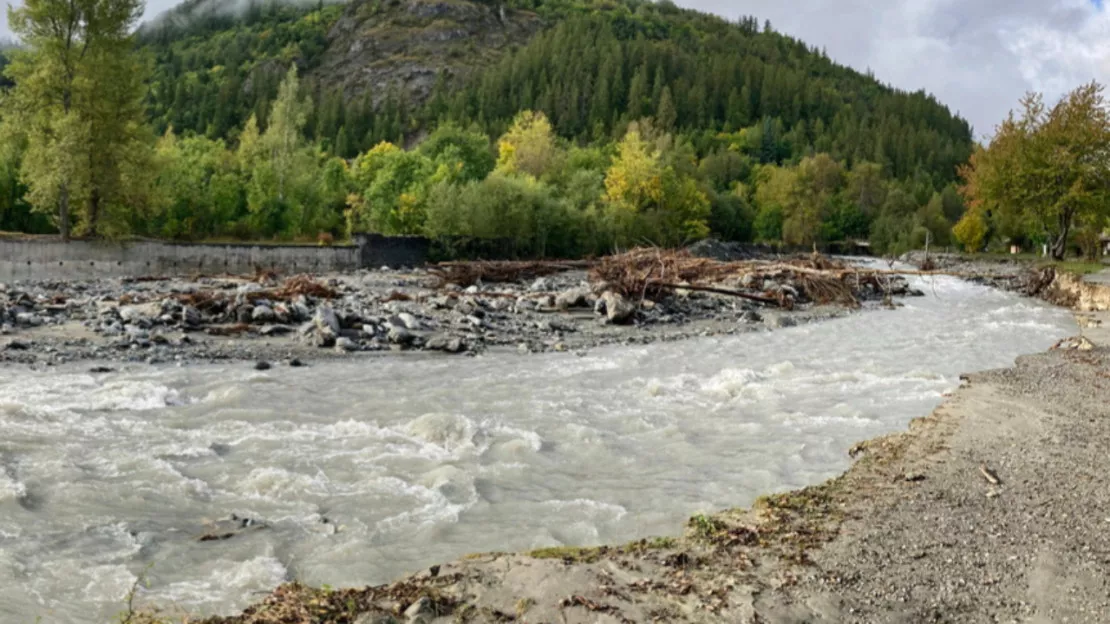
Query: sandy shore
[993,508]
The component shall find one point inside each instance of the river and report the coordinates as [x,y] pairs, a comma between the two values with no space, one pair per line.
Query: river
[108,477]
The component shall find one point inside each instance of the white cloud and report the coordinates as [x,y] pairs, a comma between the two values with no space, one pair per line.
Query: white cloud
[977,57]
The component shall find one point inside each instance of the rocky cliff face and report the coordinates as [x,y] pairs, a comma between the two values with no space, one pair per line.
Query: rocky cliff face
[380,43]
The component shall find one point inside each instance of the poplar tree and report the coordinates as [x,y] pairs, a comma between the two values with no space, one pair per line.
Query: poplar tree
[77,101]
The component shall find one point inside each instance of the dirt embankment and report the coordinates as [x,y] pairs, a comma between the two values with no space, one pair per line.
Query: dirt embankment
[993,508]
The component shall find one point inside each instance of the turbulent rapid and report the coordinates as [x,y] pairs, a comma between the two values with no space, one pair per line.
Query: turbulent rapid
[365,470]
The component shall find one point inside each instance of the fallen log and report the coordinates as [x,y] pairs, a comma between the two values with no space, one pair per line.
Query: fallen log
[721,291]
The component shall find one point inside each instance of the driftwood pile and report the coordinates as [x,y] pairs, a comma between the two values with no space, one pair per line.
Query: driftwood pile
[209,301]
[501,272]
[652,273]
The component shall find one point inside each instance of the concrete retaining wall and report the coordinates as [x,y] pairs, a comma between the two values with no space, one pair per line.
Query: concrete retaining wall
[376,250]
[53,259]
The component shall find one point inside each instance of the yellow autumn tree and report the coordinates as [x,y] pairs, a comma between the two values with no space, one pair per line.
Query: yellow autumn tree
[648,202]
[529,147]
[971,230]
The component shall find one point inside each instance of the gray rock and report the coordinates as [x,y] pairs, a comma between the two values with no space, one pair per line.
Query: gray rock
[541,284]
[779,321]
[244,313]
[298,311]
[139,313]
[325,318]
[401,336]
[346,345]
[5,329]
[275,330]
[263,314]
[409,321]
[323,338]
[618,310]
[751,316]
[421,609]
[190,316]
[29,319]
[573,298]
[445,343]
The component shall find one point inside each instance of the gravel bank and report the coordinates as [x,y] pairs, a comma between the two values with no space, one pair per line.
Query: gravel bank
[364,314]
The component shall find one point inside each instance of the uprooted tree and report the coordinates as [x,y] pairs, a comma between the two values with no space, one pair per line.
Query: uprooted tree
[1046,169]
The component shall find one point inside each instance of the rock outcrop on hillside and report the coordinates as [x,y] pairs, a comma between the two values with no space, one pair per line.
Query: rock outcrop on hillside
[377,44]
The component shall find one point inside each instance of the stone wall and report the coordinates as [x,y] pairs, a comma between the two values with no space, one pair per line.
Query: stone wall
[43,259]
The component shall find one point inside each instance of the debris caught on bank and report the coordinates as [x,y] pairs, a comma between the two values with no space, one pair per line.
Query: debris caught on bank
[990,475]
[652,273]
[499,272]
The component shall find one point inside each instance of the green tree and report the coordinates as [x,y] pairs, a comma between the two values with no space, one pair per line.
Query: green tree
[1048,167]
[468,151]
[77,100]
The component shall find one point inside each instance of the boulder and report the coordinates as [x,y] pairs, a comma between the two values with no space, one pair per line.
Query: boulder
[263,314]
[345,345]
[141,312]
[408,321]
[618,310]
[28,319]
[573,298]
[445,343]
[190,316]
[401,336]
[541,284]
[325,318]
[420,611]
[298,311]
[244,313]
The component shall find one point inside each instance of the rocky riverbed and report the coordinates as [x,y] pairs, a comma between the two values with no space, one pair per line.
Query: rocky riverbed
[269,320]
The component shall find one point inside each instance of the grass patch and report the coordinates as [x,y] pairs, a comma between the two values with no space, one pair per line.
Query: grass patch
[570,554]
[705,527]
[1078,267]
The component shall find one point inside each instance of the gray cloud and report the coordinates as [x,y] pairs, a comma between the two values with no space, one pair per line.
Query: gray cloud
[978,57]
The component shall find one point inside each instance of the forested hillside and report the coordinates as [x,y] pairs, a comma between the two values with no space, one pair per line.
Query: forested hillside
[566,126]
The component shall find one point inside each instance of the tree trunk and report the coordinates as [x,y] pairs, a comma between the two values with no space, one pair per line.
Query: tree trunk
[1060,245]
[94,211]
[63,212]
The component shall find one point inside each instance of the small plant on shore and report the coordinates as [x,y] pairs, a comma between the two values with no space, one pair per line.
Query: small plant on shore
[705,527]
[522,607]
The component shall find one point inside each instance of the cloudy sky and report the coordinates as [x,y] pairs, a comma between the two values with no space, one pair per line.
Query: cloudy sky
[977,56]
